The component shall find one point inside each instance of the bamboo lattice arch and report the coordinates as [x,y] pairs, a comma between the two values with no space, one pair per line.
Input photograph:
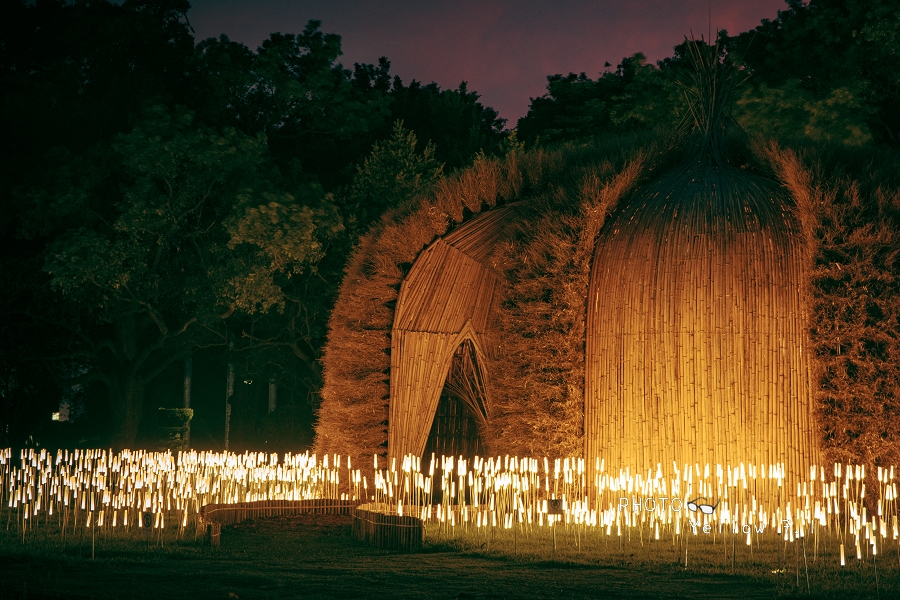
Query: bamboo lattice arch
[447,298]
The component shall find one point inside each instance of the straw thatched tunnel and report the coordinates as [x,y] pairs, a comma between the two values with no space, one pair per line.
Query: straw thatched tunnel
[640,327]
[450,228]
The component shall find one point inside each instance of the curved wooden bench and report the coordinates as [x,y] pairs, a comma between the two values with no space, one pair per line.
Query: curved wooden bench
[214,516]
[387,530]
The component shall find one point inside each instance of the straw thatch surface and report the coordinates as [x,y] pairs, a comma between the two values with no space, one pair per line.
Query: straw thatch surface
[819,267]
[538,373]
[849,208]
[566,194]
[353,416]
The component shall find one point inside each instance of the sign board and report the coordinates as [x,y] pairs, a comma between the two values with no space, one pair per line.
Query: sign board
[147,523]
[555,506]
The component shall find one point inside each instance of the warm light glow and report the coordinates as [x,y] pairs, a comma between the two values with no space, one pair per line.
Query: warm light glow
[89,488]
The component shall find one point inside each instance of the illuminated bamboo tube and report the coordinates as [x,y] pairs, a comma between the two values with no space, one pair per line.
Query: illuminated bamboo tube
[510,493]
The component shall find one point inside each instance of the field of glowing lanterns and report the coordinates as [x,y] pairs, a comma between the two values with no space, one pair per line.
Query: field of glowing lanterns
[519,505]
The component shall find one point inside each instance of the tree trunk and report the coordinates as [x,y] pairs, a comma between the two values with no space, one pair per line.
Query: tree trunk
[229,391]
[134,362]
[188,374]
[126,383]
[127,399]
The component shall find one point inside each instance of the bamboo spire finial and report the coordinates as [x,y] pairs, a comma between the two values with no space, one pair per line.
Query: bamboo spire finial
[708,93]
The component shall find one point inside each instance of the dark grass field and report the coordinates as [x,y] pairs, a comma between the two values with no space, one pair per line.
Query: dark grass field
[315,557]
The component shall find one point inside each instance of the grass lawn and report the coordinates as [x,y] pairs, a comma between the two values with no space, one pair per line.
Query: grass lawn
[315,557]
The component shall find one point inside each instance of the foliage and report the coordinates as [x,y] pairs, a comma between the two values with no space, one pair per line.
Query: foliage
[76,72]
[792,112]
[824,71]
[827,59]
[173,198]
[277,234]
[321,118]
[175,417]
[636,97]
[178,228]
[160,235]
[173,425]
[454,121]
[294,91]
[392,174]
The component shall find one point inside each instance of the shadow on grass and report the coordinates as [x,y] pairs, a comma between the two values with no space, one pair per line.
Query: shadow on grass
[310,557]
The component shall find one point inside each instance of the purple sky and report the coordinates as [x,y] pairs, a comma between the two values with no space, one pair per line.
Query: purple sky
[504,49]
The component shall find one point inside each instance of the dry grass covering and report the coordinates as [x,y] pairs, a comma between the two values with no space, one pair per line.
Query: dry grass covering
[536,407]
[538,375]
[353,415]
[849,206]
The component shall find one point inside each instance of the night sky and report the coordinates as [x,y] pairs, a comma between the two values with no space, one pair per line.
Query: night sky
[504,49]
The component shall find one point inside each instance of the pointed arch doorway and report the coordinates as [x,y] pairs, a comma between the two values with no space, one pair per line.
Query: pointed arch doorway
[461,414]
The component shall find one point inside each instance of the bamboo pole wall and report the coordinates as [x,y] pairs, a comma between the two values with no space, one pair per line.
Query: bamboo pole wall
[445,299]
[388,530]
[696,345]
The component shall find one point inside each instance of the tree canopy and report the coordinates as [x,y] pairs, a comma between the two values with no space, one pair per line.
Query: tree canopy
[637,96]
[822,71]
[152,244]
[170,197]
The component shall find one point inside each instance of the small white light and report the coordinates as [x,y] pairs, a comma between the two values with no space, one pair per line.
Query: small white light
[55,416]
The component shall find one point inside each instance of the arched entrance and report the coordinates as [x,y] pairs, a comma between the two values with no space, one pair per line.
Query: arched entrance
[461,411]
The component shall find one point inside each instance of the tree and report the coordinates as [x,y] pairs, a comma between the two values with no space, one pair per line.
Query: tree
[74,73]
[392,173]
[165,197]
[72,76]
[453,120]
[826,60]
[791,111]
[636,97]
[316,117]
[177,229]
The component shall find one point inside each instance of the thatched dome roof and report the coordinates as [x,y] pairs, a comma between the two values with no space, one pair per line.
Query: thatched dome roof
[696,332]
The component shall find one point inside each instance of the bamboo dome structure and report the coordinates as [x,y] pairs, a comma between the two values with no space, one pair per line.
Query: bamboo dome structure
[696,339]
[438,385]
